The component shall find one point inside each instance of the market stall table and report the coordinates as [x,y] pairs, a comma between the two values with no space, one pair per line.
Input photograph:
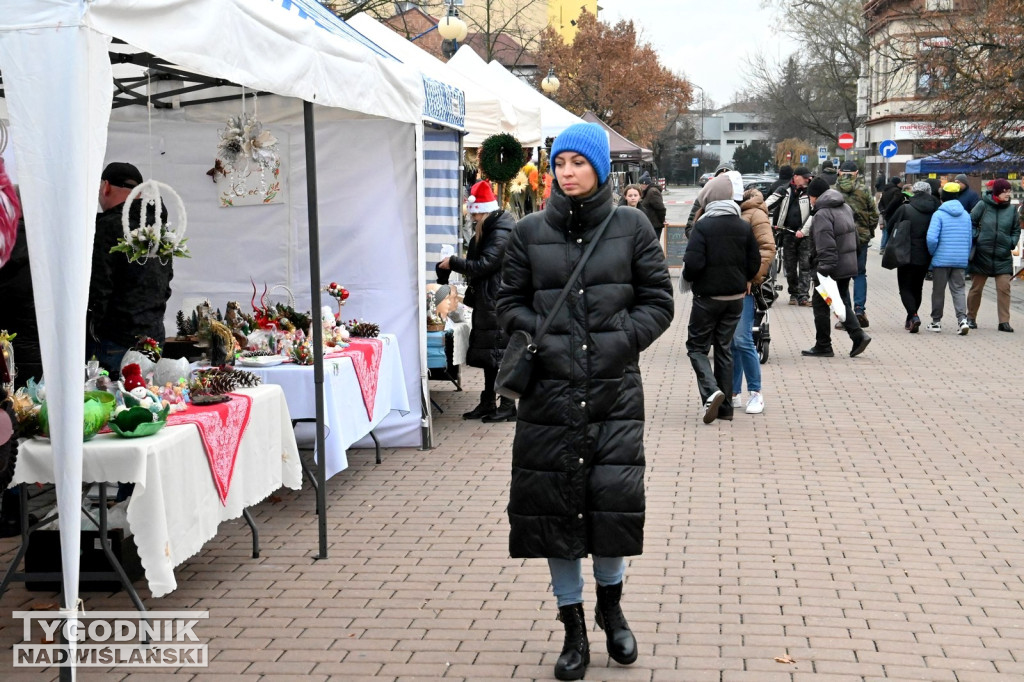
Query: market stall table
[346,415]
[175,508]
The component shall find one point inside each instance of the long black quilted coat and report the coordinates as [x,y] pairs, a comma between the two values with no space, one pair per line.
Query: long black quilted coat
[578,455]
[482,269]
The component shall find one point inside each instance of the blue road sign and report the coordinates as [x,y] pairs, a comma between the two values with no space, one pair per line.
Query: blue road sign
[887,148]
[822,153]
[695,162]
[803,158]
[835,161]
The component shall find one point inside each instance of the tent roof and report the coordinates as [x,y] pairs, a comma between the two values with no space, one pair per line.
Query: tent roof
[527,114]
[267,45]
[621,148]
[966,156]
[553,117]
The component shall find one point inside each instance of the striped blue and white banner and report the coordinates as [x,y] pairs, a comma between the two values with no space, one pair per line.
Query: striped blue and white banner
[441,190]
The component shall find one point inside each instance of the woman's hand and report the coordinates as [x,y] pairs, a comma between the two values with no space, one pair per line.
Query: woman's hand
[444,264]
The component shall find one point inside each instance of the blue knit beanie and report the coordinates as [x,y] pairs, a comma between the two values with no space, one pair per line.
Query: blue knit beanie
[589,140]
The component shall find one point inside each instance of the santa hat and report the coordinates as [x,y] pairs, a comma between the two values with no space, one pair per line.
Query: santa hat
[481,198]
[131,377]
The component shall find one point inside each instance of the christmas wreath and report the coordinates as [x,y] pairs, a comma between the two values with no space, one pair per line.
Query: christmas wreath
[501,157]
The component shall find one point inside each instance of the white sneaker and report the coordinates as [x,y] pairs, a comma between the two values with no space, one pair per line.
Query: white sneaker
[711,406]
[756,404]
[934,327]
[737,400]
[964,327]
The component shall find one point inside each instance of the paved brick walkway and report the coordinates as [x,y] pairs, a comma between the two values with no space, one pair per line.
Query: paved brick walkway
[868,525]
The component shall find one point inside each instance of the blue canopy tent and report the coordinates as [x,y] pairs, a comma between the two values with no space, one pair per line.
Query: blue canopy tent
[969,156]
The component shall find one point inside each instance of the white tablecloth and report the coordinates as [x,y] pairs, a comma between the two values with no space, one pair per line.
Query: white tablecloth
[175,508]
[345,415]
[460,339]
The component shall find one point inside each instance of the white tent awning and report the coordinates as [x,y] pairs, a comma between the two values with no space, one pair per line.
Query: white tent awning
[554,118]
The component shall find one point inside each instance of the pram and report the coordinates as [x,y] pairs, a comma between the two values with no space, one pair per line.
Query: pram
[764,295]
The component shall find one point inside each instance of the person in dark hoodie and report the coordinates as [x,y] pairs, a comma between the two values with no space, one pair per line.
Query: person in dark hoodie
[829,173]
[996,233]
[652,203]
[578,464]
[892,197]
[482,269]
[968,197]
[834,253]
[949,243]
[721,259]
[700,201]
[910,277]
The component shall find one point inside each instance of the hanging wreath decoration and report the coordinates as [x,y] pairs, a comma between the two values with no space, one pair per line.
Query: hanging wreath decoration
[153,238]
[501,157]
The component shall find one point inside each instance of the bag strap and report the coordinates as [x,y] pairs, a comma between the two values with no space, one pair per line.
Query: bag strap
[572,278]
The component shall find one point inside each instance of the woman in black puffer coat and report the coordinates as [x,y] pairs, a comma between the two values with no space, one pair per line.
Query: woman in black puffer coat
[910,277]
[482,269]
[578,458]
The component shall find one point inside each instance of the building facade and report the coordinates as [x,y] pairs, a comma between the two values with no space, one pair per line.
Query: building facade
[726,130]
[893,96]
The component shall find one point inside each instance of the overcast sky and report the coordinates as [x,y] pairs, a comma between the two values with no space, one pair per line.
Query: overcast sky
[707,41]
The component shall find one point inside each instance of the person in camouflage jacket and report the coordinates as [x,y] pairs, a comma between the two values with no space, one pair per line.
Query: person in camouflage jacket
[865,216]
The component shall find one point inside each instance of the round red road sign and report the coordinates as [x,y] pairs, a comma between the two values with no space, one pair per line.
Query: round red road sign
[845,141]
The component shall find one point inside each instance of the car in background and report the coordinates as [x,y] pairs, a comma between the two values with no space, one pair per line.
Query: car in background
[703,180]
[760,182]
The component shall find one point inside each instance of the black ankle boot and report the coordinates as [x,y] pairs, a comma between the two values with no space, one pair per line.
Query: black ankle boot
[485,408]
[572,664]
[506,412]
[620,639]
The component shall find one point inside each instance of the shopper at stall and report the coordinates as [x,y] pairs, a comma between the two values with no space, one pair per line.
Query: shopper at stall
[127,300]
[482,269]
[578,458]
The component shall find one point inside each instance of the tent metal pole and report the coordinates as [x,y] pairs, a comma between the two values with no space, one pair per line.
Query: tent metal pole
[318,332]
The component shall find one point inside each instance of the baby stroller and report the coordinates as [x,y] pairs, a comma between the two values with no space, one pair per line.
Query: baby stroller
[764,295]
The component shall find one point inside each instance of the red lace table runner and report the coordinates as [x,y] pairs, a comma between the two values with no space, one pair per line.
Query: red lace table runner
[221,428]
[365,355]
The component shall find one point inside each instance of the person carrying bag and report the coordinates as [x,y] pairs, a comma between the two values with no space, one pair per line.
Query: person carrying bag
[517,365]
[583,293]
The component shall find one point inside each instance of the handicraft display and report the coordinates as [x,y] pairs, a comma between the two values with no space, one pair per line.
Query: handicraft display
[247,169]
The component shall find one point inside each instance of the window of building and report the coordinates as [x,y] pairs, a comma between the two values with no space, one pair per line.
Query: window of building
[733,127]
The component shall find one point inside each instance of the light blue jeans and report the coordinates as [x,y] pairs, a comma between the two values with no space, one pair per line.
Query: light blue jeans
[745,360]
[567,576]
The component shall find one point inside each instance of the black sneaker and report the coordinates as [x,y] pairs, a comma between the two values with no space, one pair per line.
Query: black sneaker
[860,345]
[816,352]
[971,323]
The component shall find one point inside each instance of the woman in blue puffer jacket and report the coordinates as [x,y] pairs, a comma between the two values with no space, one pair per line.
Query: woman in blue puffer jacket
[949,243]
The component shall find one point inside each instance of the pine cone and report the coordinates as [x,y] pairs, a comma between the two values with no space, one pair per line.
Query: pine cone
[367,330]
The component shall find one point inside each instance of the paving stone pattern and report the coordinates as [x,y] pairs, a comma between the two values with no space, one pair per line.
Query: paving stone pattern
[867,525]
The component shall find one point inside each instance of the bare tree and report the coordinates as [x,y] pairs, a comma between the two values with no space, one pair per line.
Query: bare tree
[521,20]
[813,93]
[382,9]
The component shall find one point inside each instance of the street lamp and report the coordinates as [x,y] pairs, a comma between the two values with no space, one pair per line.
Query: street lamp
[550,84]
[453,29]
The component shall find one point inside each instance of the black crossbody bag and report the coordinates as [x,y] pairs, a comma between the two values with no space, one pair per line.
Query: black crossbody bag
[517,364]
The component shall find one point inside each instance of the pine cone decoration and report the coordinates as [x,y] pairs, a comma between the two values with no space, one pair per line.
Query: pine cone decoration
[256,353]
[366,330]
[218,381]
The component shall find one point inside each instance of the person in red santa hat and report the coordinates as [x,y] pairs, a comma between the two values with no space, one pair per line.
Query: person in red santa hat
[482,269]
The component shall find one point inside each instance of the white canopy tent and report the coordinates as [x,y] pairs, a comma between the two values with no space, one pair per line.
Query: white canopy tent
[554,118]
[528,116]
[58,86]
[488,110]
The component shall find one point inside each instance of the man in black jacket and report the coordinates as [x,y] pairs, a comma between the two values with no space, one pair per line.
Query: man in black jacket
[789,211]
[126,300]
[721,259]
[891,199]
